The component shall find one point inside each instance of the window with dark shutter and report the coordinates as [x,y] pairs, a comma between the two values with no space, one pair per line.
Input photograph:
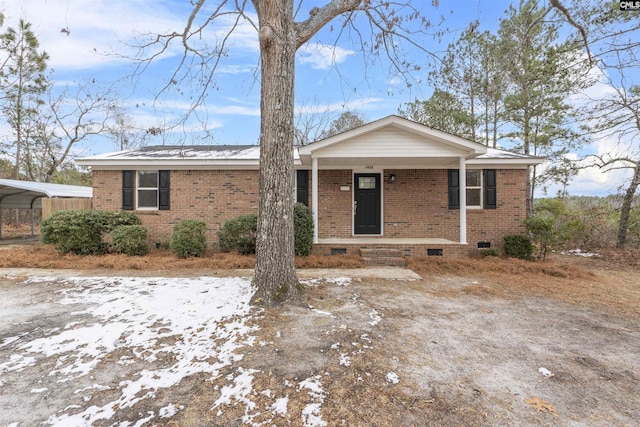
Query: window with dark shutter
[127,190]
[490,197]
[163,190]
[302,187]
[454,189]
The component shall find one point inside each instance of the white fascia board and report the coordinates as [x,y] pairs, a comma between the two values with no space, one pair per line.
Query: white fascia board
[506,163]
[172,164]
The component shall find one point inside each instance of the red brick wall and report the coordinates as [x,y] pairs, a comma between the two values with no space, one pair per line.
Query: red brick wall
[210,196]
[415,205]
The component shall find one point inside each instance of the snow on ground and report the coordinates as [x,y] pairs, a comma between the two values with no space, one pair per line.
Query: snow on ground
[198,325]
[199,322]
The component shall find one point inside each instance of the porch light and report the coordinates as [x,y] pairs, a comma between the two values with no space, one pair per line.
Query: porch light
[392,177]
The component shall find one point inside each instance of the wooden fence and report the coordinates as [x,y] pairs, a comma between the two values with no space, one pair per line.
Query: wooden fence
[49,205]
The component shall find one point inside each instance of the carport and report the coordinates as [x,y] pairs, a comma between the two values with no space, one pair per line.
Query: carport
[16,194]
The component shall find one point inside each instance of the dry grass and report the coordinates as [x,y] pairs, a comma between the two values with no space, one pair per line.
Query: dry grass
[606,283]
[46,256]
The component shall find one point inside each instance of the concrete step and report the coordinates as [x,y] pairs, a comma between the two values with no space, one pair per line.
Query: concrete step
[389,257]
[380,252]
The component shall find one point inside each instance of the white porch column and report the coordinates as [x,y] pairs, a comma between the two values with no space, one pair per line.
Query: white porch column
[463,200]
[314,199]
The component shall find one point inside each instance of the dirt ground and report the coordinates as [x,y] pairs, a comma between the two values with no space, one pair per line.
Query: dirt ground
[479,342]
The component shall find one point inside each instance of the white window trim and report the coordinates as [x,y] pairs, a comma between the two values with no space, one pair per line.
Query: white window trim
[156,188]
[475,187]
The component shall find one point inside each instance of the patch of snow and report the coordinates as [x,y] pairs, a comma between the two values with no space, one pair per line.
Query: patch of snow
[199,322]
[345,360]
[280,406]
[168,411]
[93,387]
[241,388]
[311,416]
[324,313]
[578,252]
[545,372]
[17,362]
[9,340]
[392,378]
[39,390]
[375,317]
[341,281]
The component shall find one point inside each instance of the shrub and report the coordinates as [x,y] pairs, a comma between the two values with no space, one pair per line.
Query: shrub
[493,252]
[188,238]
[516,246]
[130,240]
[81,232]
[303,229]
[557,225]
[541,230]
[239,234]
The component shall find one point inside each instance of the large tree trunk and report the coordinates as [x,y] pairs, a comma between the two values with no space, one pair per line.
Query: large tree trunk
[626,207]
[275,277]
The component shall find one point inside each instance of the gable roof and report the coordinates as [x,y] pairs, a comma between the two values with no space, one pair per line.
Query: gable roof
[397,123]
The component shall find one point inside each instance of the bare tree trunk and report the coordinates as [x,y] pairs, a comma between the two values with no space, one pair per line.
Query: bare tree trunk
[626,207]
[275,277]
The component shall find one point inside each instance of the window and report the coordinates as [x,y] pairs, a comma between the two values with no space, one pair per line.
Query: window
[474,188]
[480,185]
[367,183]
[302,187]
[147,190]
[150,191]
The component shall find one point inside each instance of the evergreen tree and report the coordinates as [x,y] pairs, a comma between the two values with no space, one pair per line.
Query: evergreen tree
[22,83]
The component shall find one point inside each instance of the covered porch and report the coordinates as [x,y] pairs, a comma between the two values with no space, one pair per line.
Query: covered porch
[356,174]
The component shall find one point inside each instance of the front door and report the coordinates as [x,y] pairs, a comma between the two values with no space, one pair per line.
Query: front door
[366,203]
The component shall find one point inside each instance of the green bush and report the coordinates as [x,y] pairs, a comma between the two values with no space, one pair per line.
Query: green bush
[556,225]
[303,229]
[130,240]
[493,252]
[518,247]
[541,230]
[239,234]
[81,232]
[188,238]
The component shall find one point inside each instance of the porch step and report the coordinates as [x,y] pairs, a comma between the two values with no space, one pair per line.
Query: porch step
[389,257]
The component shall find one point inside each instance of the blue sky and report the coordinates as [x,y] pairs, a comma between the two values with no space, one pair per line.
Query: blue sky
[100,33]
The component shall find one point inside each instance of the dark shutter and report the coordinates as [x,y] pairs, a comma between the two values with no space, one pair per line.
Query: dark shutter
[490,199]
[302,187]
[127,190]
[454,189]
[163,190]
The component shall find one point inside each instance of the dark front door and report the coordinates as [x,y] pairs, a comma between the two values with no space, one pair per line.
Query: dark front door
[366,203]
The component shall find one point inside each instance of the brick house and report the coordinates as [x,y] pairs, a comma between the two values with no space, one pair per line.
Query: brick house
[392,182]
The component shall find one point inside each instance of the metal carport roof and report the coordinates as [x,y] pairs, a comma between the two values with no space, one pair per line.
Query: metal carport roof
[28,195]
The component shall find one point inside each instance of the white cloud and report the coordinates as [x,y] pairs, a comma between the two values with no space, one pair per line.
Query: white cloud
[354,105]
[321,56]
[97,29]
